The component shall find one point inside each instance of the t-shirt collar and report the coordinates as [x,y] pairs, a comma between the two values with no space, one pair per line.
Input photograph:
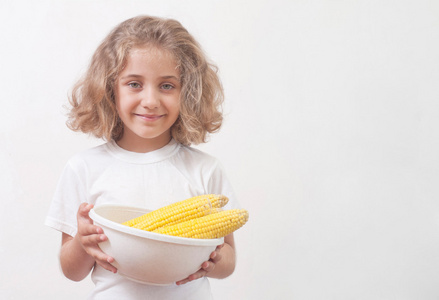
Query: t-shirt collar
[143,158]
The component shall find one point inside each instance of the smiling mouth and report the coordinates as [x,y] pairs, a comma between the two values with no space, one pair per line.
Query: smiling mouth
[149,118]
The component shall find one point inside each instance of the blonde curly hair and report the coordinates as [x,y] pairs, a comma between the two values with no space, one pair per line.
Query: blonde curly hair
[93,103]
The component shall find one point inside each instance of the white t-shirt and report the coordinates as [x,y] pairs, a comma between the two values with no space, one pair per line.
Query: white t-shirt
[110,174]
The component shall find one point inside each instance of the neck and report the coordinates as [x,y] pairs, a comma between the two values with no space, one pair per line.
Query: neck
[143,145]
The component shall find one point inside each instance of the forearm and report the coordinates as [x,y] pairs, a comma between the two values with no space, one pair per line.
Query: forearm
[76,264]
[226,265]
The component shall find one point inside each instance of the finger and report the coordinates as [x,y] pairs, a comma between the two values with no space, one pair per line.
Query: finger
[101,258]
[93,239]
[97,254]
[200,273]
[107,265]
[215,256]
[220,246]
[84,209]
[208,266]
[182,281]
[83,213]
[88,229]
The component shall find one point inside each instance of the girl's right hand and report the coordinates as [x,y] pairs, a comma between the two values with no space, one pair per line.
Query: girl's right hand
[89,235]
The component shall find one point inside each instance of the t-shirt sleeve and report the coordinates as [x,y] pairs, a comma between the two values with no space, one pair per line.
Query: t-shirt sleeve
[69,194]
[218,183]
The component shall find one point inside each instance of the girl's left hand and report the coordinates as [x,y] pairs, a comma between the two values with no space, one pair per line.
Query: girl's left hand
[206,266]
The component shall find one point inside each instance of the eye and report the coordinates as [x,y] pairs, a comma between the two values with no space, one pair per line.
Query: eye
[167,86]
[134,85]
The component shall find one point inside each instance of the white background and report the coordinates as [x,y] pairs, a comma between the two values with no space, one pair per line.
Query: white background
[330,140]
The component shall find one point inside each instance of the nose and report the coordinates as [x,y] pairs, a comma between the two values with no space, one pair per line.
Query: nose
[150,98]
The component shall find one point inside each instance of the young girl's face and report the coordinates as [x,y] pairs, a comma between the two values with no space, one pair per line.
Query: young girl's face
[148,99]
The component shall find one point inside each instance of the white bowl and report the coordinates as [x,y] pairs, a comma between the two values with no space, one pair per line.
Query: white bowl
[148,257]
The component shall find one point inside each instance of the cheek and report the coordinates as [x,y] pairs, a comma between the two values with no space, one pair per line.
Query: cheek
[117,105]
[178,105]
[172,106]
[123,105]
[177,110]
[119,109]
[117,101]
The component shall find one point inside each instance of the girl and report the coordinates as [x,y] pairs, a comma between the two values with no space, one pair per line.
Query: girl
[150,93]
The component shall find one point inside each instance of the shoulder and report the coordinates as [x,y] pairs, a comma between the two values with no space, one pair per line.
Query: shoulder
[194,163]
[95,155]
[196,156]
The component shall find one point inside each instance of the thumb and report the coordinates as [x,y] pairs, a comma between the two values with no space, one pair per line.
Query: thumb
[84,209]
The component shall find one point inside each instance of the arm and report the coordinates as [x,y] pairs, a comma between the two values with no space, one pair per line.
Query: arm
[72,253]
[221,263]
[224,260]
[80,253]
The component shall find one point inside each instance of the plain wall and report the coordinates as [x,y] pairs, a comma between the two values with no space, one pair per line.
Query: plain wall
[330,140]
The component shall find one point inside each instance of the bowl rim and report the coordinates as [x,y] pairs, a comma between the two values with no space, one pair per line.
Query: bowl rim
[97,218]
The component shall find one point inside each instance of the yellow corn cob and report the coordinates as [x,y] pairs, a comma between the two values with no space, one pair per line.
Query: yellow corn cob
[179,212]
[208,227]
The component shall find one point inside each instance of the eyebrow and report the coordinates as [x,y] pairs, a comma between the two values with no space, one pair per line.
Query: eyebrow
[140,76]
[170,77]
